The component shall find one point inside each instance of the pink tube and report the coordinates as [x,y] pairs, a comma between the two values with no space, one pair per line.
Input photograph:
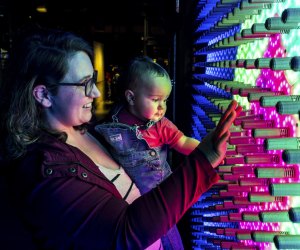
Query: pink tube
[263,159]
[250,148]
[241,140]
[230,160]
[257,124]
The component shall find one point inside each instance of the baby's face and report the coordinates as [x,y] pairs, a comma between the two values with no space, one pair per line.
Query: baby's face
[150,99]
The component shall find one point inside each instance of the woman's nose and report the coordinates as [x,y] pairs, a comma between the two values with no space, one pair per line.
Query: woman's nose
[95,93]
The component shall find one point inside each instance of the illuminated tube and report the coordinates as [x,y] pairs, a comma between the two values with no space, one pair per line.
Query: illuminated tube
[266,1]
[274,216]
[271,101]
[282,143]
[238,188]
[250,148]
[291,15]
[234,160]
[239,133]
[291,156]
[245,91]
[229,1]
[295,63]
[270,132]
[261,197]
[254,97]
[246,6]
[245,12]
[254,182]
[239,40]
[243,248]
[240,119]
[242,201]
[275,23]
[249,64]
[284,189]
[262,63]
[278,172]
[287,241]
[260,29]
[231,21]
[240,63]
[257,124]
[234,140]
[250,216]
[294,214]
[265,236]
[244,235]
[247,33]
[262,159]
[288,107]
[281,63]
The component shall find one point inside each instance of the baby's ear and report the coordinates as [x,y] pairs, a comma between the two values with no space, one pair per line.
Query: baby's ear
[41,95]
[129,95]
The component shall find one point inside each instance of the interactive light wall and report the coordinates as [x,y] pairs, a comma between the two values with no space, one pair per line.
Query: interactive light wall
[252,54]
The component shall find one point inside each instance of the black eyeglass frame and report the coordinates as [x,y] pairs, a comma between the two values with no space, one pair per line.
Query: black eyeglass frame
[90,82]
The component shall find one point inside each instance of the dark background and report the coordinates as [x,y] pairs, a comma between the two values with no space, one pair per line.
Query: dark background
[160,29]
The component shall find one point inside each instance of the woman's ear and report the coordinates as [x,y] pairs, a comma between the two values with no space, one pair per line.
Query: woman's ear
[42,96]
[129,95]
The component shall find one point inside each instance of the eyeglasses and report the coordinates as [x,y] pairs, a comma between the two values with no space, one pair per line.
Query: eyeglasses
[88,84]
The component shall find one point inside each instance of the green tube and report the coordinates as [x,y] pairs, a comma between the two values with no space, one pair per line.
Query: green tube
[246,6]
[229,1]
[252,97]
[288,107]
[294,214]
[281,63]
[270,172]
[291,15]
[275,23]
[266,1]
[271,101]
[274,216]
[285,189]
[264,236]
[287,241]
[260,28]
[260,197]
[247,216]
[270,132]
[243,236]
[291,156]
[282,143]
[262,63]
[249,64]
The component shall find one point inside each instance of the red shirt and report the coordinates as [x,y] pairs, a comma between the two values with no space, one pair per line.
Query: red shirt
[162,132]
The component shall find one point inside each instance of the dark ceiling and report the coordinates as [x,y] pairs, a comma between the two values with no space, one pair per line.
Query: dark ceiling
[126,28]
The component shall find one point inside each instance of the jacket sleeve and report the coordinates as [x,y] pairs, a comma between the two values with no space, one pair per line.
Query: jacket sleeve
[71,210]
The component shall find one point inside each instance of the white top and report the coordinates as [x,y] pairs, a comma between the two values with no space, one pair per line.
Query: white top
[128,191]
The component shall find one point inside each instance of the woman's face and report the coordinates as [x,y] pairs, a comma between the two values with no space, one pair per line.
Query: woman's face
[71,107]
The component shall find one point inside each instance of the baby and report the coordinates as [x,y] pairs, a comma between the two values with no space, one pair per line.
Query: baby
[140,134]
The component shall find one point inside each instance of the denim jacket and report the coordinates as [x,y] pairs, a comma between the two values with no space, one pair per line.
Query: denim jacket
[146,166]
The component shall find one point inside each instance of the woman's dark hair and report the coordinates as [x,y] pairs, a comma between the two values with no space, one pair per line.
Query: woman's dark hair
[39,58]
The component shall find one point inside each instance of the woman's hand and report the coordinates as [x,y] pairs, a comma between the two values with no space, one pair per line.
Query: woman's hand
[214,144]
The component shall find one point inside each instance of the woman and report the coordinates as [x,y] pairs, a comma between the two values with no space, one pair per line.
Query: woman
[69,191]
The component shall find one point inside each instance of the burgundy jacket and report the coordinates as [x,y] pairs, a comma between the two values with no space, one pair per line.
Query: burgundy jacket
[67,203]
